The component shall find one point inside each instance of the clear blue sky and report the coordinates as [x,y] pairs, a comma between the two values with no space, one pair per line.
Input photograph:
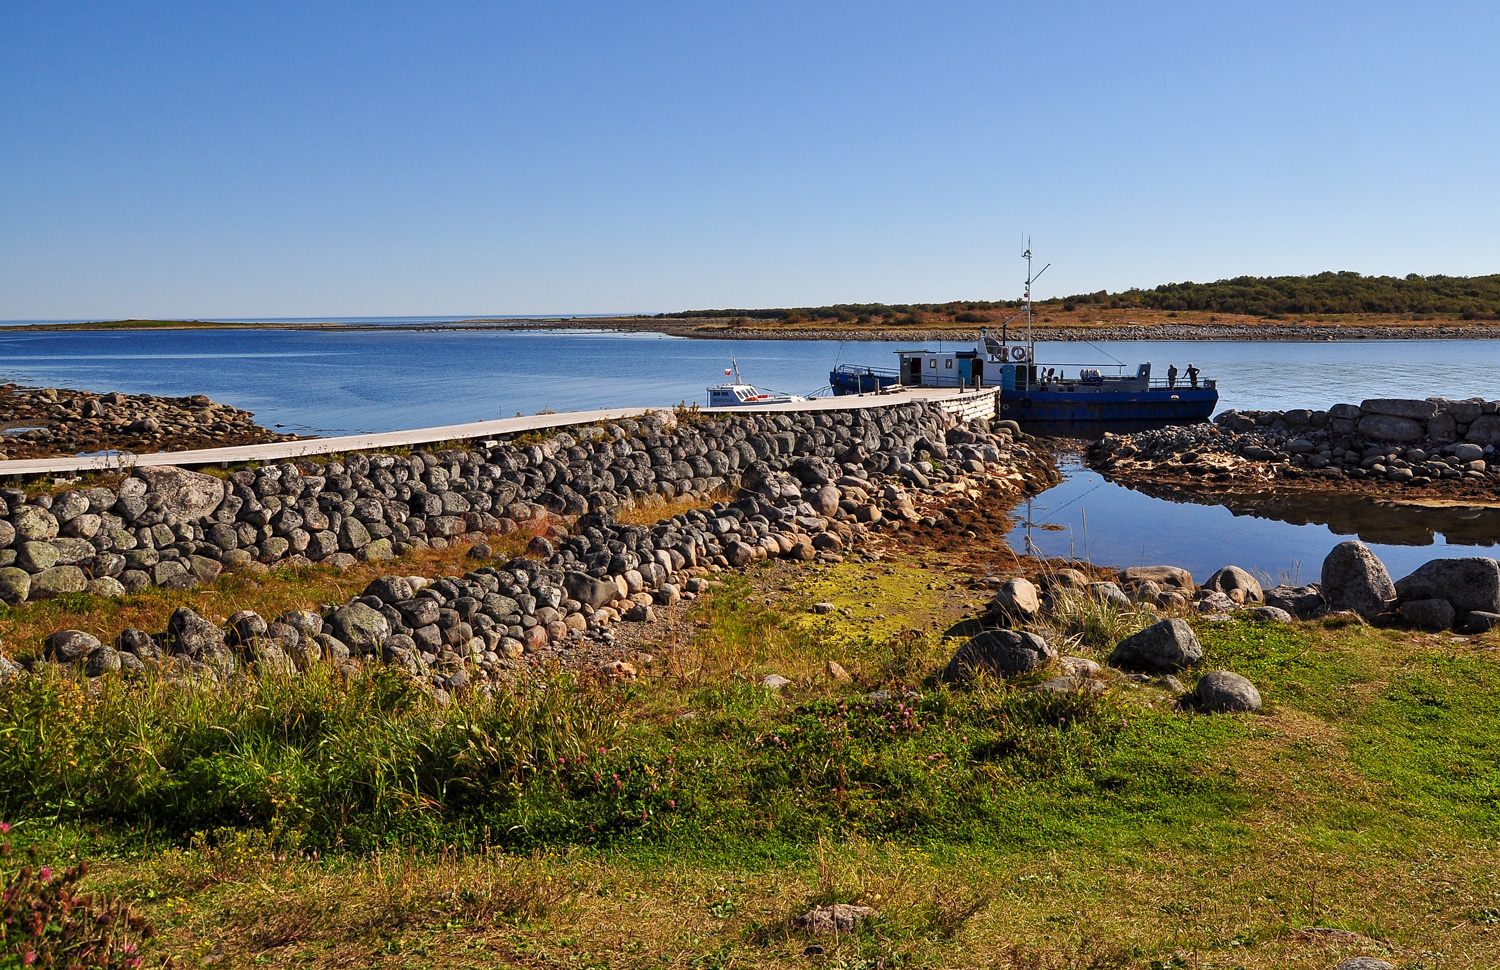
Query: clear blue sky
[286,159]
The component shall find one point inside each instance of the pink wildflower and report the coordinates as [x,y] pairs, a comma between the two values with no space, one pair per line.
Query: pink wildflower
[46,874]
[29,958]
[4,828]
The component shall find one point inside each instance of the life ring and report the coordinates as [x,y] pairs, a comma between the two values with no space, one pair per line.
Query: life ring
[1018,353]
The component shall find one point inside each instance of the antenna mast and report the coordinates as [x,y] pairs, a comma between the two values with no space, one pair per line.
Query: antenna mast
[1030,279]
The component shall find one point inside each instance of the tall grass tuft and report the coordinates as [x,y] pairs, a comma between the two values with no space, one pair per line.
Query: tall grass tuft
[360,765]
[1082,622]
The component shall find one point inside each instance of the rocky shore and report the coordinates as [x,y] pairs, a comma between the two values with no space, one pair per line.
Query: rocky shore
[42,422]
[808,486]
[1460,595]
[1426,448]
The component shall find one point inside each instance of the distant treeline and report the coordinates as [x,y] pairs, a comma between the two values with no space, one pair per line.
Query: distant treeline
[1469,297]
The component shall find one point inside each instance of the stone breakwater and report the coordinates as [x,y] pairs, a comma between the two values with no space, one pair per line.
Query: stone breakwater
[811,485]
[1433,446]
[49,421]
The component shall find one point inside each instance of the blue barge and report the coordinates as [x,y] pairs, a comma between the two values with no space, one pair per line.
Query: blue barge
[1043,400]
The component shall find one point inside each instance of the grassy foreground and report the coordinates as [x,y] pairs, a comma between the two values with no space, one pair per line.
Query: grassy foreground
[680,819]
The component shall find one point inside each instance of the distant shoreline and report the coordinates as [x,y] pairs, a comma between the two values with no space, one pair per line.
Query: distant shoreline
[1135,325]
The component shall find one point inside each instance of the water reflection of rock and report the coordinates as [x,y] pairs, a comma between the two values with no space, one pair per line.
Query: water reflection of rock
[1374,521]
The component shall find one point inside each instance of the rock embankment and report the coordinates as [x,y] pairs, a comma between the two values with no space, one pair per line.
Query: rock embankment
[44,422]
[1436,446]
[568,592]
[175,528]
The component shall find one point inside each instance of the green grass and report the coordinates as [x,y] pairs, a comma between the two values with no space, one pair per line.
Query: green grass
[681,819]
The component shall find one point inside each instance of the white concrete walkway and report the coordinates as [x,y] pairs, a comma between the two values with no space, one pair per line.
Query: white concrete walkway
[278,451]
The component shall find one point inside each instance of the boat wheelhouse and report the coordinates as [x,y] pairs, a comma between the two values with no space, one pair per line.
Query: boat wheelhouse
[1043,399]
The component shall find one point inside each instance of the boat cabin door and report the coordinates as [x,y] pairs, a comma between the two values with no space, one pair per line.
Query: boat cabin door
[911,371]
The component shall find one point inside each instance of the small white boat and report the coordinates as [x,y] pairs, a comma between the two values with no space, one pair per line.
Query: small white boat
[737,394]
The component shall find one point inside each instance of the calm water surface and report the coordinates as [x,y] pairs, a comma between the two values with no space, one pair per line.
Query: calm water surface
[1089,518]
[317,382]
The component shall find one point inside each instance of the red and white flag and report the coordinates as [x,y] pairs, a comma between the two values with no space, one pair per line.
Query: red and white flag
[726,372]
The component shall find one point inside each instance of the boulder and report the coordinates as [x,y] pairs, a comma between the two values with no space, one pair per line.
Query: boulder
[1063,579]
[362,628]
[825,500]
[390,589]
[1385,427]
[104,660]
[32,522]
[1223,692]
[1442,429]
[1233,577]
[1479,622]
[1300,601]
[1161,575]
[34,556]
[186,496]
[1428,614]
[1355,579]
[589,591]
[1217,603]
[1002,653]
[740,554]
[192,635]
[1471,584]
[245,627]
[813,471]
[15,585]
[1016,600]
[1163,647]
[1268,614]
[140,643]
[306,622]
[69,646]
[377,550]
[1485,430]
[1400,408]
[106,586]
[1364,963]
[57,581]
[1109,593]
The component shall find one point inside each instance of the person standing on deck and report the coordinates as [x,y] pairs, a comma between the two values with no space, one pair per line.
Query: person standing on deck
[1171,375]
[1192,373]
